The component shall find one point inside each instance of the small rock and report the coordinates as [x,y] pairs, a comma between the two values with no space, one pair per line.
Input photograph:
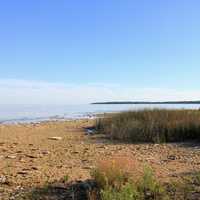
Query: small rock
[87,167]
[171,157]
[45,152]
[55,138]
[31,156]
[12,147]
[34,149]
[22,172]
[3,179]
[75,152]
[102,147]
[34,168]
[173,175]
[22,160]
[138,148]
[11,156]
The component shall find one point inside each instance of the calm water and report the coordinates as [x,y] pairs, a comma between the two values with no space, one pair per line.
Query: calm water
[36,113]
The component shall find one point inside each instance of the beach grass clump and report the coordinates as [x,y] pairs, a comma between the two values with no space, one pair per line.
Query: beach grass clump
[121,183]
[115,171]
[156,125]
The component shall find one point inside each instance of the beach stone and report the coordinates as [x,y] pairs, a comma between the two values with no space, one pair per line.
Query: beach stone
[171,157]
[22,160]
[45,152]
[31,156]
[34,149]
[87,167]
[3,179]
[23,172]
[35,168]
[55,138]
[11,156]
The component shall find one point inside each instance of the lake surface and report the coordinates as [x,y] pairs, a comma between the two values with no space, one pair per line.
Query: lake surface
[38,113]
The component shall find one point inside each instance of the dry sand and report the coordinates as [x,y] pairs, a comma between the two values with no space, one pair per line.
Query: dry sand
[30,157]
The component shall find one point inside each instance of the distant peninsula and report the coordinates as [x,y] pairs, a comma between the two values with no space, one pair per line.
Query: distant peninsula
[148,102]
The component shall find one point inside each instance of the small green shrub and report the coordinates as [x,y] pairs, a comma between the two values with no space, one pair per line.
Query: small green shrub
[116,183]
[113,172]
[66,178]
[196,178]
[149,187]
[127,192]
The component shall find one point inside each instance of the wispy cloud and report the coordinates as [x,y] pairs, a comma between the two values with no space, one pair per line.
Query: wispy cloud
[39,92]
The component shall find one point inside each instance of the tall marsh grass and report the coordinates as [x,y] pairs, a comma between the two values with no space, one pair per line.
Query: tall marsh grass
[157,125]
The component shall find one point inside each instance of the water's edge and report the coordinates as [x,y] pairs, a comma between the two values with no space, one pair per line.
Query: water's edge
[13,114]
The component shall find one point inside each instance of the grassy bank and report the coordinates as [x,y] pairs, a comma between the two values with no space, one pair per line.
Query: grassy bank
[158,125]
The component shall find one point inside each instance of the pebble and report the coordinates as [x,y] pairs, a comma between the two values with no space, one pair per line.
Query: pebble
[84,160]
[34,168]
[171,157]
[22,160]
[34,149]
[101,147]
[11,156]
[87,167]
[22,172]
[45,152]
[3,179]
[55,138]
[31,156]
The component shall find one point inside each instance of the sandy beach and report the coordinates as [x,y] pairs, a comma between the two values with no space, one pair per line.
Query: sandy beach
[32,155]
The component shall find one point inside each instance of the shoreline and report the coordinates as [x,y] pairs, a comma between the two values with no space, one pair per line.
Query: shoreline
[36,114]
[46,120]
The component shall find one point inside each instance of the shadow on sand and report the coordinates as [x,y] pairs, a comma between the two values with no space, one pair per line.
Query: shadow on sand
[105,139]
[79,190]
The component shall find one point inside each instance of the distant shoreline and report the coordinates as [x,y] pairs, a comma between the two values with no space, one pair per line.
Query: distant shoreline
[37,114]
[147,102]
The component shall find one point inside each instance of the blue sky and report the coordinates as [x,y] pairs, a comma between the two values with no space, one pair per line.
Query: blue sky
[125,49]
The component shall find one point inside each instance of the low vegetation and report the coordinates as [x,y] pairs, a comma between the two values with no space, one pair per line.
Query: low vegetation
[121,183]
[115,183]
[157,125]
